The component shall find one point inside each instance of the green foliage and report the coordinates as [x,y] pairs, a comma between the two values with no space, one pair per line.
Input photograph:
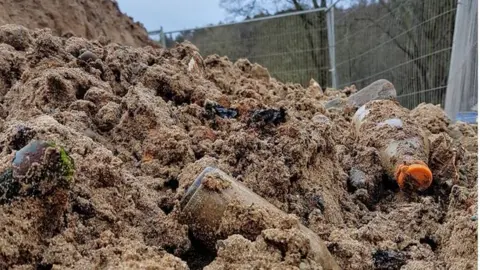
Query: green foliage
[67,165]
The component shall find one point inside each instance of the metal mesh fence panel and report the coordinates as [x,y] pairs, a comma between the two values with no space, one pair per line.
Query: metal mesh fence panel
[407,42]
[294,48]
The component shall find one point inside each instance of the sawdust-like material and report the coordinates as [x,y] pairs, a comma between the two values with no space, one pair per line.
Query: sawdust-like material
[134,123]
[90,19]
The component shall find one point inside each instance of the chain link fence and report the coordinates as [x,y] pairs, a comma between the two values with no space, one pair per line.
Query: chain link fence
[293,46]
[408,42]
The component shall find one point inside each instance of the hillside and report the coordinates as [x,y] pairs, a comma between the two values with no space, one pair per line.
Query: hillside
[86,18]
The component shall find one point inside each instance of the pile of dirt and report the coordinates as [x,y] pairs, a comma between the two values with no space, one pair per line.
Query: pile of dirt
[142,123]
[91,19]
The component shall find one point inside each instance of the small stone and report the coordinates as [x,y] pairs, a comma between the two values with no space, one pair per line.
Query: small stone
[108,116]
[357,179]
[88,56]
[474,218]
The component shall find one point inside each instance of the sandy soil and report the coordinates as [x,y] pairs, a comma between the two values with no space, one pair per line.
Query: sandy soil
[137,125]
[91,19]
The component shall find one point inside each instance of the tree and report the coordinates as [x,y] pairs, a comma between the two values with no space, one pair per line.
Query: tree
[249,8]
[314,26]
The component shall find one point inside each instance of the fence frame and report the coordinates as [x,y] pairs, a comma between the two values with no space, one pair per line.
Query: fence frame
[329,10]
[462,52]
[465,10]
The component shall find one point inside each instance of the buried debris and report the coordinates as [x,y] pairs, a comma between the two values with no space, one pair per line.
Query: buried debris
[39,168]
[210,214]
[388,259]
[378,90]
[213,109]
[87,56]
[403,147]
[268,116]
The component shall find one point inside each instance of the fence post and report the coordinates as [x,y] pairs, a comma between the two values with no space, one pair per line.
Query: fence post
[461,86]
[331,44]
[163,39]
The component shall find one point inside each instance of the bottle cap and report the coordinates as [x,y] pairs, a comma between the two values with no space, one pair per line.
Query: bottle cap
[414,175]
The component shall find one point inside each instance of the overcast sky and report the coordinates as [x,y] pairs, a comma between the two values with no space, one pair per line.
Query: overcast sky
[180,14]
[173,14]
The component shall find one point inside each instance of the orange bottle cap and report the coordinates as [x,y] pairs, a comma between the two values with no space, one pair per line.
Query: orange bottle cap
[416,175]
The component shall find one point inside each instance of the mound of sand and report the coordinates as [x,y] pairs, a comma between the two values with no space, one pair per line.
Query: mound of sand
[135,123]
[91,19]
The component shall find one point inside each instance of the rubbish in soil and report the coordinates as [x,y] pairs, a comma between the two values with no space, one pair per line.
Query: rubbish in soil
[205,207]
[32,167]
[266,116]
[88,56]
[214,108]
[378,90]
[335,103]
[402,145]
[388,259]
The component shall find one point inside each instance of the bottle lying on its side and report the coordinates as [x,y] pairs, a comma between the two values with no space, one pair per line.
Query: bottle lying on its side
[402,144]
[205,204]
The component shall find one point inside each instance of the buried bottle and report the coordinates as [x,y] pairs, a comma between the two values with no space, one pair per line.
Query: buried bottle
[402,144]
[206,203]
[38,168]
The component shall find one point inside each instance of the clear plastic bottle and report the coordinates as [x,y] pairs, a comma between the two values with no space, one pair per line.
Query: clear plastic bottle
[402,144]
[203,207]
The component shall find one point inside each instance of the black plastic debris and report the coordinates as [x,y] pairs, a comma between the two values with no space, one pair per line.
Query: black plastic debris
[269,116]
[214,109]
[318,202]
[388,259]
[225,112]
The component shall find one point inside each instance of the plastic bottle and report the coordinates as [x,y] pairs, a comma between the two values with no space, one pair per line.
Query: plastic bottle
[403,146]
[36,170]
[202,208]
